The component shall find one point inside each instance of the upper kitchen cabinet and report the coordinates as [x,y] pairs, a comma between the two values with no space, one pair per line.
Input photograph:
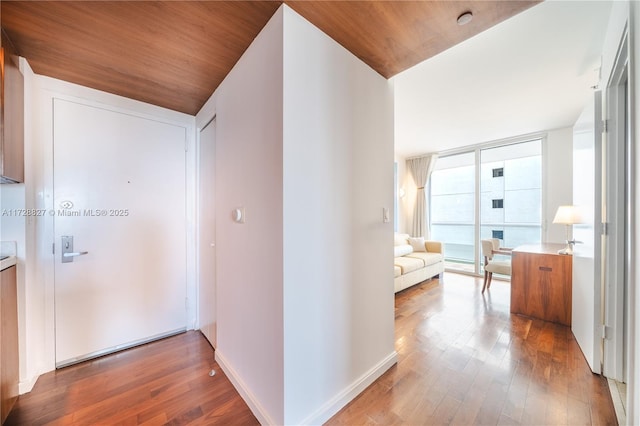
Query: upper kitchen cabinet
[11,115]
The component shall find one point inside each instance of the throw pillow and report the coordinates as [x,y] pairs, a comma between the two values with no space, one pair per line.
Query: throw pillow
[399,251]
[400,239]
[417,243]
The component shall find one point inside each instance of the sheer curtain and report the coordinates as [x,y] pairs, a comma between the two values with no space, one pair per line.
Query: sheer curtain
[420,169]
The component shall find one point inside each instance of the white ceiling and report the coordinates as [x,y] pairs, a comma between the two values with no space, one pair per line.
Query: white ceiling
[528,74]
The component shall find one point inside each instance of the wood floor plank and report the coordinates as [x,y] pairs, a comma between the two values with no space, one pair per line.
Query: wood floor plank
[475,363]
[446,411]
[164,382]
[470,406]
[514,401]
[463,360]
[578,412]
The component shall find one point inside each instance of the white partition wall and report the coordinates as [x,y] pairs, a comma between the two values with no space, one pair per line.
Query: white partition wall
[338,176]
[249,255]
[304,144]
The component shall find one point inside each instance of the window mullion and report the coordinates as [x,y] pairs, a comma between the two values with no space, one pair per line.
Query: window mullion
[477,212]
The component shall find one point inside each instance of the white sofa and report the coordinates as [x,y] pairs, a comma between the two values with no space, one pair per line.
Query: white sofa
[415,260]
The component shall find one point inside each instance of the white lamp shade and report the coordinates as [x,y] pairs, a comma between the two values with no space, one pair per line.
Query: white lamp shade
[568,215]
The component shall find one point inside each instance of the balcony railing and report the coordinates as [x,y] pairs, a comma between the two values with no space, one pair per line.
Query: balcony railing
[459,240]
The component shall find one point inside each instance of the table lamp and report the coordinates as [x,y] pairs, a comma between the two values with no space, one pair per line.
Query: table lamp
[567,215]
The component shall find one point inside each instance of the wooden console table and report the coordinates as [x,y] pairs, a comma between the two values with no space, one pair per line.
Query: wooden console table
[541,283]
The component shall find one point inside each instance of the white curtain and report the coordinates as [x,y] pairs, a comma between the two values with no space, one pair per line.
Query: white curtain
[420,169]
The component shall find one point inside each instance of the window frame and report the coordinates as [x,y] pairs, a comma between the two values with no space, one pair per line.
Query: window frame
[476,150]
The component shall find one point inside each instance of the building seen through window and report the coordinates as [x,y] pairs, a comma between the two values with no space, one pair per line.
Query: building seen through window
[508,200]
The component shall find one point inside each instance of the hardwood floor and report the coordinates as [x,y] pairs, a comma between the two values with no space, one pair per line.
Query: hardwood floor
[164,382]
[463,359]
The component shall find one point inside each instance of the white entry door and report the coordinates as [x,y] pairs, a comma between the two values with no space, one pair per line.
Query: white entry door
[119,192]
[587,190]
[207,233]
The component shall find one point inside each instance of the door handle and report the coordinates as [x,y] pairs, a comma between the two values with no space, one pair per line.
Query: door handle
[67,250]
[80,253]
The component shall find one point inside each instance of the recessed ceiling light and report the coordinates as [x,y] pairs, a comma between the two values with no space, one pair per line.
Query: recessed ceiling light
[465,18]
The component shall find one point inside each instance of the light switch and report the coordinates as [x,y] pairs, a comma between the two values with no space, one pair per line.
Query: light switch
[385,215]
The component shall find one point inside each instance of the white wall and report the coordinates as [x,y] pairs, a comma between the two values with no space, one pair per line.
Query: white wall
[558,181]
[618,21]
[249,276]
[36,296]
[633,412]
[304,142]
[21,229]
[31,306]
[338,176]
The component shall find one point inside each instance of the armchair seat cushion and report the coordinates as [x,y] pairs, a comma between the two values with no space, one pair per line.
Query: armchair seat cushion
[499,267]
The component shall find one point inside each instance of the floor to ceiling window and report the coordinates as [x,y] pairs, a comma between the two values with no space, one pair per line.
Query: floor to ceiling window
[483,193]
[453,209]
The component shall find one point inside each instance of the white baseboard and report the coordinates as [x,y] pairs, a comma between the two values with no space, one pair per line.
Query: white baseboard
[325,412]
[335,404]
[618,403]
[244,391]
[25,386]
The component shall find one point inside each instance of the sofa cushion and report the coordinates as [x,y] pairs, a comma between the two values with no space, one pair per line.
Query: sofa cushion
[402,250]
[397,271]
[417,244]
[400,239]
[408,264]
[428,258]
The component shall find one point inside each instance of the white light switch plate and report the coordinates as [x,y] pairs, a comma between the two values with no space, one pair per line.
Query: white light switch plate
[385,215]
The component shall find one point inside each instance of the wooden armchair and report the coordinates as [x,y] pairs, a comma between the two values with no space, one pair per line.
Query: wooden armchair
[490,248]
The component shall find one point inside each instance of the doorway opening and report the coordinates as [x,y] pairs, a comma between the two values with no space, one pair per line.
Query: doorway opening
[206,257]
[618,219]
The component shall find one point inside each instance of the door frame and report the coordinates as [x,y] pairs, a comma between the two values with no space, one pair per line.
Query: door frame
[618,218]
[44,91]
[143,329]
[200,129]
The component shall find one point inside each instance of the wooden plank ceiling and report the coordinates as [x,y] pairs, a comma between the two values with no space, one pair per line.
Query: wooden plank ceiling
[175,53]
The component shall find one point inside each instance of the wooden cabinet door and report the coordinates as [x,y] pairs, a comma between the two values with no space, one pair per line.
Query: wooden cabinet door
[541,286]
[554,278]
[8,341]
[12,166]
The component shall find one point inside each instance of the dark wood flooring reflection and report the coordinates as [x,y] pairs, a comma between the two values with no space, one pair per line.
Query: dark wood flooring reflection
[464,359]
[164,382]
